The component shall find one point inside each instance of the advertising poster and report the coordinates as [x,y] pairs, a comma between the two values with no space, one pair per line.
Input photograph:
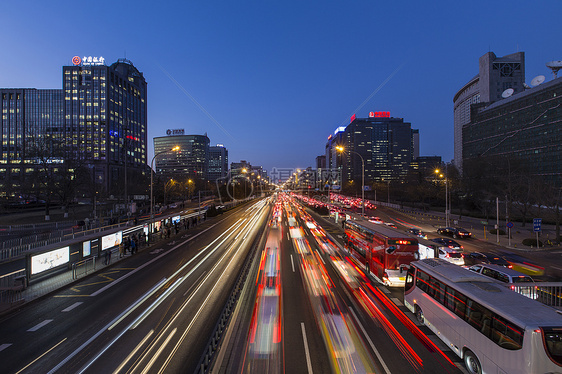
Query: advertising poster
[111,240]
[86,249]
[49,260]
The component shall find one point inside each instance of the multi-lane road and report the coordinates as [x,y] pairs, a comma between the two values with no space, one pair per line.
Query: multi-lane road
[152,313]
[305,307]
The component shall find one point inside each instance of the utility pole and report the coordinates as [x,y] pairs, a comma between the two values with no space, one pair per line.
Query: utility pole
[497,219]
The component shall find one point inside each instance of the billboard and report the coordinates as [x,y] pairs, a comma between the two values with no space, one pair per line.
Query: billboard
[86,249]
[49,260]
[111,240]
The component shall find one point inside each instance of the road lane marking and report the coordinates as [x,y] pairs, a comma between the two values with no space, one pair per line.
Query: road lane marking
[306,352]
[72,307]
[556,267]
[37,327]
[370,342]
[133,352]
[4,346]
[32,362]
[292,263]
[194,283]
[137,303]
[396,301]
[159,351]
[148,263]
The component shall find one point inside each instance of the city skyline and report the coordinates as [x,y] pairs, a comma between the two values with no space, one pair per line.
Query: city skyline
[272,81]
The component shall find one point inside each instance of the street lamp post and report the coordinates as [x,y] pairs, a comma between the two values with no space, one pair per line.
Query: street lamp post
[341,149]
[177,148]
[446,195]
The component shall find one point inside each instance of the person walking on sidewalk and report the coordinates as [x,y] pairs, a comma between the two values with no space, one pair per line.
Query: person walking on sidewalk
[121,249]
[133,246]
[107,257]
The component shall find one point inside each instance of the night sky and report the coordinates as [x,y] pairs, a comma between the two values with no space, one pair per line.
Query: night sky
[272,79]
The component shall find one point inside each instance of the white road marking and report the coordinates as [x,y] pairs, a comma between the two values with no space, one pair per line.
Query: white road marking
[133,352]
[556,267]
[292,263]
[396,301]
[4,346]
[370,342]
[37,327]
[308,363]
[148,263]
[72,306]
[159,351]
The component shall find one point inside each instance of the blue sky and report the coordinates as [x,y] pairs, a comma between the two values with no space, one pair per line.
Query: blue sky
[278,77]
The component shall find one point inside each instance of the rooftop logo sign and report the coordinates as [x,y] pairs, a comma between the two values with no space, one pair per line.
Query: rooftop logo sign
[88,61]
[175,132]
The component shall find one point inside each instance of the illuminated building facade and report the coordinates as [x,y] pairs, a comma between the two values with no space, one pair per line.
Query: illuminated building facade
[191,161]
[387,145]
[97,121]
[218,163]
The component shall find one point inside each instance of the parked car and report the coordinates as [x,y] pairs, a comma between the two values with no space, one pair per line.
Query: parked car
[417,232]
[454,232]
[485,258]
[447,243]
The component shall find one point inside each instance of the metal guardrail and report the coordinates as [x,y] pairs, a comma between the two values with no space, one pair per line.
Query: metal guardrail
[81,268]
[548,293]
[11,288]
[21,249]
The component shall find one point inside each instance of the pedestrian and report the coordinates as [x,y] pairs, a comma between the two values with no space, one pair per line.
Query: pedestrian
[133,246]
[107,257]
[121,249]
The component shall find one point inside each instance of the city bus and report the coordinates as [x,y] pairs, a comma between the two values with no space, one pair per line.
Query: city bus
[490,327]
[383,252]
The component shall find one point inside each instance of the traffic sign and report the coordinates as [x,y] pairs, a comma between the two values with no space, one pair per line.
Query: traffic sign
[484,222]
[537,224]
[509,224]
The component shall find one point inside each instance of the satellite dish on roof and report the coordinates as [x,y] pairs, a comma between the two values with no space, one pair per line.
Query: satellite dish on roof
[539,79]
[507,93]
[554,66]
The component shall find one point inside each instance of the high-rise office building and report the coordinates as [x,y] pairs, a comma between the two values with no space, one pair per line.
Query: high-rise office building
[28,115]
[387,145]
[218,163]
[522,133]
[106,119]
[496,74]
[98,118]
[191,161]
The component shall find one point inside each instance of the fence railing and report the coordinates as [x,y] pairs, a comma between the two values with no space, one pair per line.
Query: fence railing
[548,293]
[81,268]
[11,288]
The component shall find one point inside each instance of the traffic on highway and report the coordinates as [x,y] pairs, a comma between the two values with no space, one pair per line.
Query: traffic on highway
[338,292]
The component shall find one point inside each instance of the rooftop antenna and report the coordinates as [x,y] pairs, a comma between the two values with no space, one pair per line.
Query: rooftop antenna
[539,79]
[554,66]
[507,93]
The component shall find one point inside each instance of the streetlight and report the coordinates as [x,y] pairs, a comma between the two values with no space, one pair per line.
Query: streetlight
[176,148]
[341,149]
[438,172]
[244,171]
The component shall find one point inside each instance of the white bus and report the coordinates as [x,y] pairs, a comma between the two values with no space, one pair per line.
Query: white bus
[490,327]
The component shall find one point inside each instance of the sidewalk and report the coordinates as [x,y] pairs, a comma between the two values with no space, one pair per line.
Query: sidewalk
[48,284]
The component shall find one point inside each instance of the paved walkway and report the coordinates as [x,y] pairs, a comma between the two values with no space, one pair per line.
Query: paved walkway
[43,286]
